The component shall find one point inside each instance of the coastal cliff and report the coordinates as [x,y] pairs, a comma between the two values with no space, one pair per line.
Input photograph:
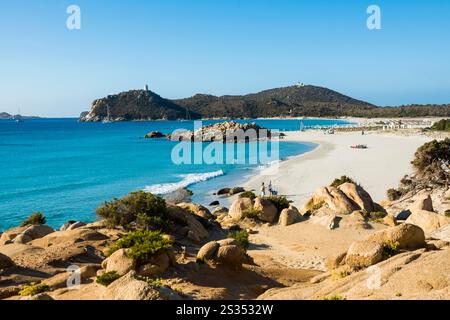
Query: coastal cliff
[138,105]
[293,101]
[135,105]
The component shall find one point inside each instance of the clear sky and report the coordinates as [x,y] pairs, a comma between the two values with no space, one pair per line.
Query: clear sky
[183,47]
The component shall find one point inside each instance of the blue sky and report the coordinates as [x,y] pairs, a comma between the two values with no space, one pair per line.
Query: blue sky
[183,47]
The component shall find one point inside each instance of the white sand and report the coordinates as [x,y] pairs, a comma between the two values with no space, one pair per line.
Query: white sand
[377,168]
[380,167]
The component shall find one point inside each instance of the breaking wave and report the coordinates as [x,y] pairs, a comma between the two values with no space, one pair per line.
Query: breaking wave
[188,180]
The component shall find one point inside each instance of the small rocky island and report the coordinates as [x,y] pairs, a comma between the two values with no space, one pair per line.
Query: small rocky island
[228,131]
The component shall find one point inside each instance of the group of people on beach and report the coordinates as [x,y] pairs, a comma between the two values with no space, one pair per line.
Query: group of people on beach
[269,188]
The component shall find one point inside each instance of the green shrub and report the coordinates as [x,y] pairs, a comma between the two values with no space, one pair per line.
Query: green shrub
[241,237]
[145,206]
[143,245]
[145,221]
[318,205]
[432,153]
[336,297]
[393,194]
[442,125]
[34,289]
[107,278]
[34,218]
[390,249]
[251,214]
[343,179]
[447,213]
[280,202]
[154,282]
[377,215]
[336,275]
[248,194]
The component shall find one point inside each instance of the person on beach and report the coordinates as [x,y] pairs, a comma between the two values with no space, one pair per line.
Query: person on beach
[270,188]
[263,190]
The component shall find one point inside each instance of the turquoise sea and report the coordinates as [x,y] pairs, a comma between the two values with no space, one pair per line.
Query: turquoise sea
[65,168]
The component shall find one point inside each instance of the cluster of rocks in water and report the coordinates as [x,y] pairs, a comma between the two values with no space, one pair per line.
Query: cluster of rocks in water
[228,131]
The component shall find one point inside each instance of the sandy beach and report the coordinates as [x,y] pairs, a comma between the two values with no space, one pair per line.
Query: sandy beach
[377,168]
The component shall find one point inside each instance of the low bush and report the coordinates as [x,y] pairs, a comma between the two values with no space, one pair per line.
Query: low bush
[377,215]
[343,179]
[248,194]
[393,194]
[251,214]
[319,205]
[442,125]
[390,249]
[154,282]
[241,237]
[107,278]
[34,289]
[34,218]
[280,202]
[336,297]
[142,244]
[145,209]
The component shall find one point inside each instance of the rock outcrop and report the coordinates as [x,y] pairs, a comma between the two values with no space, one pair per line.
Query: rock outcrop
[268,211]
[407,236]
[227,252]
[154,135]
[362,254]
[238,207]
[228,131]
[428,221]
[289,216]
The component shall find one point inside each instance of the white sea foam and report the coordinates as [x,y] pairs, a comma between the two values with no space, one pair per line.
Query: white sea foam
[188,180]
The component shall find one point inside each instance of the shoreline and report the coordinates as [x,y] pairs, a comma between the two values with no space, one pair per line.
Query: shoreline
[377,168]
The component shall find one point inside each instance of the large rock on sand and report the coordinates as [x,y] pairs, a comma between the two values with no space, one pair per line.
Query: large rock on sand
[231,255]
[197,209]
[208,251]
[129,288]
[408,236]
[442,233]
[195,230]
[22,239]
[156,265]
[38,231]
[239,206]
[9,235]
[289,216]
[427,220]
[226,252]
[358,195]
[333,198]
[362,254]
[119,262]
[268,210]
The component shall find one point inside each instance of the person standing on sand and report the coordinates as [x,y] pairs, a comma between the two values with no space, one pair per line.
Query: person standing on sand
[269,188]
[263,190]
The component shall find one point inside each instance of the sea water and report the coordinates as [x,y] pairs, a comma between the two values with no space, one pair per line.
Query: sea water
[66,169]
